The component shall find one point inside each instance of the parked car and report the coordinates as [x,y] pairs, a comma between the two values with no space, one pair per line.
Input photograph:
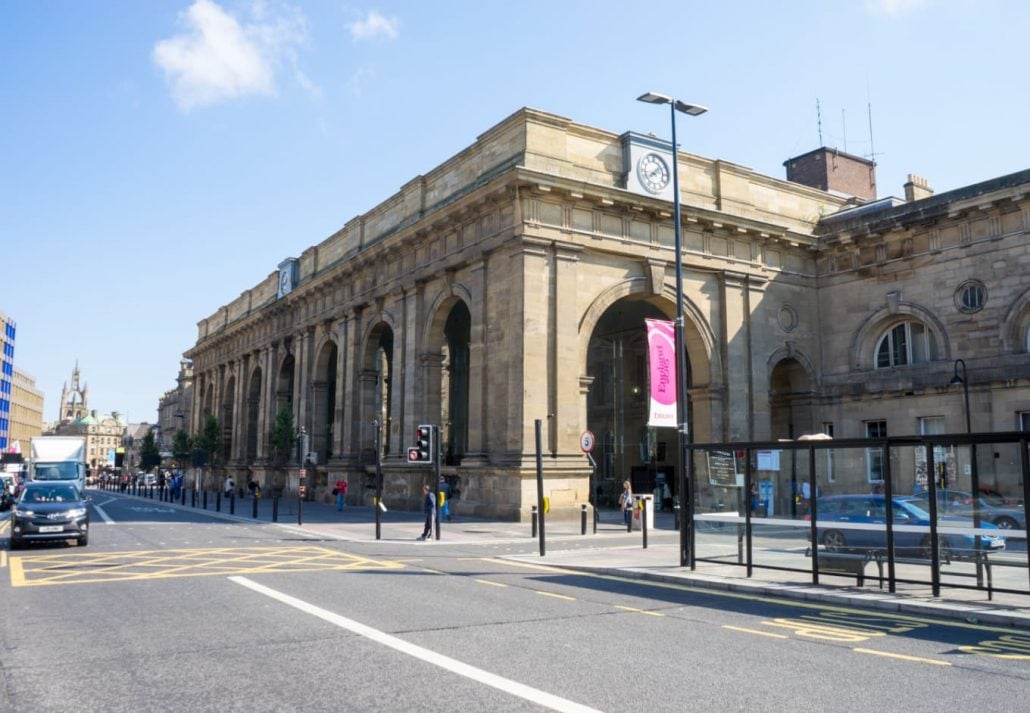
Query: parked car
[849,523]
[8,490]
[49,511]
[960,502]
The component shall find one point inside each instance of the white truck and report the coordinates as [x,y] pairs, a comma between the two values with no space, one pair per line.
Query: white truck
[60,458]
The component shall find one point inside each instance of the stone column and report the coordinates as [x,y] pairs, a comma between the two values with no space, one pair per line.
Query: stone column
[566,363]
[736,347]
[478,367]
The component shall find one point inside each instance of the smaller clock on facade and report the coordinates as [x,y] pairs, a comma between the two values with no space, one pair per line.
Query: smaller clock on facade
[653,173]
[285,281]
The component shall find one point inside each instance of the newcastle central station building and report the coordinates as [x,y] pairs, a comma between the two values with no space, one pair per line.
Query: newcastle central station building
[510,284]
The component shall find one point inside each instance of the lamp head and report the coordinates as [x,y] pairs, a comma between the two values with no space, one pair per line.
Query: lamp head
[956,380]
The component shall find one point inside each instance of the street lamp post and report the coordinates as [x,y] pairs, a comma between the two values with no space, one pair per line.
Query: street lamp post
[964,380]
[974,472]
[686,495]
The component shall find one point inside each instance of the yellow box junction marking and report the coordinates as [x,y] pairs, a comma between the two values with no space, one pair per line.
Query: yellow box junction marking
[94,567]
[755,631]
[903,657]
[1013,647]
[844,627]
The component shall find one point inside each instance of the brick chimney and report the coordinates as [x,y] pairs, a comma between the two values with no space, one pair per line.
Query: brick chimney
[832,170]
[917,188]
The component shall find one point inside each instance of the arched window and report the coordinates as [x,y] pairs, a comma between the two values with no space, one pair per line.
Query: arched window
[906,343]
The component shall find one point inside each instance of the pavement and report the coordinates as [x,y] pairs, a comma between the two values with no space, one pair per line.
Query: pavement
[614,552]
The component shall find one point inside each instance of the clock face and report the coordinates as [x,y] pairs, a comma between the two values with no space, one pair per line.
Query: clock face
[653,173]
[284,281]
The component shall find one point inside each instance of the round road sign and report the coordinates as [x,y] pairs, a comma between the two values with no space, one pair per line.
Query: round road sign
[586,441]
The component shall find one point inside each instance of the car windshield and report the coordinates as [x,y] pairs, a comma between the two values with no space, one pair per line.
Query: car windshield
[56,471]
[50,494]
[914,509]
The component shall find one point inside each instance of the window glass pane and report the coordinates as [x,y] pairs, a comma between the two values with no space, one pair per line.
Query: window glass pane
[918,333]
[883,353]
[900,350]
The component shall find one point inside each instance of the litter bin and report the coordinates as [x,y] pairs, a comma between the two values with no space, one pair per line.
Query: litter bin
[638,501]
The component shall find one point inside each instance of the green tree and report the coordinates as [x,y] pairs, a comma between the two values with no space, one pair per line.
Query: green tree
[281,441]
[149,455]
[182,444]
[209,439]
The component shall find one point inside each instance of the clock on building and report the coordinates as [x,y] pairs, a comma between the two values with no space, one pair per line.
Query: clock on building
[653,173]
[285,280]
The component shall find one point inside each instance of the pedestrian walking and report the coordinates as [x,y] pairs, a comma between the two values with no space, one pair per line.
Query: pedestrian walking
[626,502]
[429,510]
[340,491]
[229,485]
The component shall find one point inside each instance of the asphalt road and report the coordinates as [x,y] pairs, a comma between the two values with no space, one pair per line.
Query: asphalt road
[174,610]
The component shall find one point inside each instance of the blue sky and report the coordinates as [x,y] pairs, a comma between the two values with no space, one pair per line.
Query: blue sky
[162,157]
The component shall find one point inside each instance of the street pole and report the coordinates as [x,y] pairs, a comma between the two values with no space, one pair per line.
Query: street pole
[686,494]
[379,481]
[540,485]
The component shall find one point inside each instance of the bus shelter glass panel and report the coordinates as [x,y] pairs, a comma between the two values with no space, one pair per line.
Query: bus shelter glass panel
[850,512]
[719,505]
[780,527]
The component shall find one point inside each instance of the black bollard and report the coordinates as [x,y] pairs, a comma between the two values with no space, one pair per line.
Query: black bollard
[203,498]
[218,501]
[643,520]
[193,498]
[275,508]
[629,522]
[254,500]
[300,510]
[583,520]
[182,498]
[533,511]
[232,503]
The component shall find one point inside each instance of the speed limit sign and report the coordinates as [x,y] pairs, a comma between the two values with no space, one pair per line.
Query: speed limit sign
[586,441]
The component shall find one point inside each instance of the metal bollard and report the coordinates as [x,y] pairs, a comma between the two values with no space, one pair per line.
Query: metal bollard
[643,520]
[275,508]
[254,500]
[533,511]
[182,494]
[203,498]
[232,503]
[218,501]
[583,520]
[629,522]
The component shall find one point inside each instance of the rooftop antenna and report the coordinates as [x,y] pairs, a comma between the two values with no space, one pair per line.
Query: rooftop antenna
[819,120]
[844,124]
[869,109]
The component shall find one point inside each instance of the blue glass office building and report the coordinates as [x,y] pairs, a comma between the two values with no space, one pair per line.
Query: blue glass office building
[6,377]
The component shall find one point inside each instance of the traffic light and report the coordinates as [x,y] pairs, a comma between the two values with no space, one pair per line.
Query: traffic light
[422,451]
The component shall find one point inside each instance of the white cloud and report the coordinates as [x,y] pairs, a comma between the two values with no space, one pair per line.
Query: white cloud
[374,25]
[216,58]
[893,8]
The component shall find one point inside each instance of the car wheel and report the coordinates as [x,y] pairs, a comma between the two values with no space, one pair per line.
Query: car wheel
[16,544]
[834,540]
[943,548]
[1005,523]
[84,540]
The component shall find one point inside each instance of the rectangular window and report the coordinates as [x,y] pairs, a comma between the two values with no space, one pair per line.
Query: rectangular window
[874,456]
[1024,420]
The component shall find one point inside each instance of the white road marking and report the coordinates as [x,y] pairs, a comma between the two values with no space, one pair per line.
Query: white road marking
[514,688]
[100,511]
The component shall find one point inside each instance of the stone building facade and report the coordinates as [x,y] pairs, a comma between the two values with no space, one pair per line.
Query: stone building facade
[104,433]
[175,407]
[511,283]
[26,409]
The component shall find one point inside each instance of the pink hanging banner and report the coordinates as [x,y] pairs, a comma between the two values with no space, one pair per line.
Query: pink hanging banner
[661,343]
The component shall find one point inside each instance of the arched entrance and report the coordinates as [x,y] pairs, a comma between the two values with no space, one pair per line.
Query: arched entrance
[284,386]
[455,384]
[377,390]
[323,390]
[253,404]
[617,404]
[228,411]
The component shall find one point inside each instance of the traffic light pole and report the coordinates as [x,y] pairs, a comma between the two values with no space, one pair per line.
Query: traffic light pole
[379,482]
[436,475]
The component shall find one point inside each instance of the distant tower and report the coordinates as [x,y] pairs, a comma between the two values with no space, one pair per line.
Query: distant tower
[74,400]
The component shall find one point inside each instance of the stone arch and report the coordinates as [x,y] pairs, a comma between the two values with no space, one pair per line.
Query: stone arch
[284,381]
[1015,326]
[698,337]
[323,394]
[792,387]
[878,322]
[252,404]
[225,420]
[446,372]
[376,372]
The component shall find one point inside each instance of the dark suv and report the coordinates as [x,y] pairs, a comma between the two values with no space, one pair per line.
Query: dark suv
[49,511]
